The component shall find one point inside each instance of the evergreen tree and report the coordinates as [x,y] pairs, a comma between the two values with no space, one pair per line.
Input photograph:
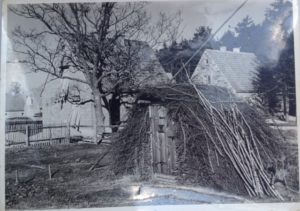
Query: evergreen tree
[265,84]
[247,35]
[229,40]
[275,83]
[173,57]
[285,75]
[265,39]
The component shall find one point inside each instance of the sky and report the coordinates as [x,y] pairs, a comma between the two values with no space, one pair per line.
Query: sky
[210,13]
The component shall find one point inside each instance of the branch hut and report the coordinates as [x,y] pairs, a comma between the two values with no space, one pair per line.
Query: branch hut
[199,134]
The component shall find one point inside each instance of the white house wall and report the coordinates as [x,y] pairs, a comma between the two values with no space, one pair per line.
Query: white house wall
[55,114]
[207,68]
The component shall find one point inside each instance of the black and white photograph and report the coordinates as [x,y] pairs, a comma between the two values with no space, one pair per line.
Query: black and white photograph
[125,104]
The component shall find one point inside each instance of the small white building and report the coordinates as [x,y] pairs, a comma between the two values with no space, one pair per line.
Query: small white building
[233,70]
[20,106]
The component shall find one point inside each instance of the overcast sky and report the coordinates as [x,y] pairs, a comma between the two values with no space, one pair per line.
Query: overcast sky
[210,13]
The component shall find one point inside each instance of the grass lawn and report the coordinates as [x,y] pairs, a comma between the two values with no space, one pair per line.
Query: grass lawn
[74,186]
[71,185]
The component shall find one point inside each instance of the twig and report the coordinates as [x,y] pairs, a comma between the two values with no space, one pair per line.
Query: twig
[103,155]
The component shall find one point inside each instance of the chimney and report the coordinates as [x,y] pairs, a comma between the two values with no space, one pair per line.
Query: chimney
[236,50]
[223,48]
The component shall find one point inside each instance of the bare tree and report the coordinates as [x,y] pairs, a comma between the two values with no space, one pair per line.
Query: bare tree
[87,38]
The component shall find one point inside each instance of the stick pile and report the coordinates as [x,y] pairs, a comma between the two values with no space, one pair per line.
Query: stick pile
[208,131]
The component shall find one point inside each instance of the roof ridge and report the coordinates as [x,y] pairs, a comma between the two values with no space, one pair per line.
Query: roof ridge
[237,67]
[219,51]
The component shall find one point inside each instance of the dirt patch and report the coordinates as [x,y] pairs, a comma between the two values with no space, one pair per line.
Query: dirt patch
[69,166]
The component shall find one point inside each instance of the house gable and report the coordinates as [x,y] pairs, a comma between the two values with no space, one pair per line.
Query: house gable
[235,69]
[208,72]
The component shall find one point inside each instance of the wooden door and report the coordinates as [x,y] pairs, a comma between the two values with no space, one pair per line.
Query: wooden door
[162,141]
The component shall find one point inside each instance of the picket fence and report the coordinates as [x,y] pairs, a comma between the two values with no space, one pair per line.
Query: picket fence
[37,135]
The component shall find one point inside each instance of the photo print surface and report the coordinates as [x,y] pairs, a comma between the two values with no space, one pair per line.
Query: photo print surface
[113,104]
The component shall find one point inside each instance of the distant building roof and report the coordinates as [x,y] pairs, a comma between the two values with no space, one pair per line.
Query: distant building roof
[14,102]
[238,67]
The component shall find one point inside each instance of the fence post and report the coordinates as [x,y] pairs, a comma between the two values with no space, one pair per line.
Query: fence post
[17,177]
[49,172]
[50,134]
[27,135]
[68,133]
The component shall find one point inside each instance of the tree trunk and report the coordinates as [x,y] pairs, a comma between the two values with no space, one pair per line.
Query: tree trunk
[292,104]
[115,111]
[99,116]
[285,113]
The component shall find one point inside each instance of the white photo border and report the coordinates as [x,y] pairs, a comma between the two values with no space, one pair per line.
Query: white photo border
[209,207]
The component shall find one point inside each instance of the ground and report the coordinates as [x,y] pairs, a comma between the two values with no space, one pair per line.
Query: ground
[72,184]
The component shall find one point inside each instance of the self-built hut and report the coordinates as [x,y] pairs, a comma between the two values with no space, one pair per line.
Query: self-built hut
[199,134]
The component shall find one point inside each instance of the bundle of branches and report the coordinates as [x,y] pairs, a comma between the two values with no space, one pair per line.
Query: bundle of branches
[130,145]
[209,124]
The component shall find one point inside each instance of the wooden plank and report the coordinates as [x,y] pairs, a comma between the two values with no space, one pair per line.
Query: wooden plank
[151,143]
[168,149]
[54,126]
[27,135]
[165,140]
[46,139]
[163,153]
[169,160]
[158,143]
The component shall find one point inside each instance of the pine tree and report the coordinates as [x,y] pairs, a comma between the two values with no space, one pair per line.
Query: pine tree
[265,84]
[176,54]
[285,75]
[275,84]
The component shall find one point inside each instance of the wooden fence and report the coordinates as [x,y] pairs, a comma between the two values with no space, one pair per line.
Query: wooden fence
[22,134]
[21,124]
[37,135]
